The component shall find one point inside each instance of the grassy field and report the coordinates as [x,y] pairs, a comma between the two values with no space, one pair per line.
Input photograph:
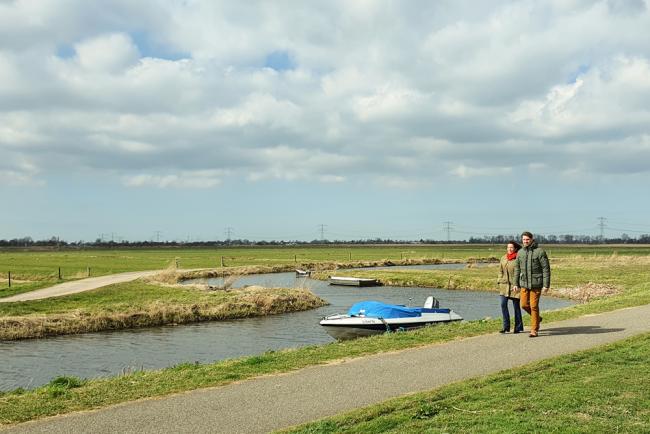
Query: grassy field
[37,269]
[594,273]
[628,270]
[601,390]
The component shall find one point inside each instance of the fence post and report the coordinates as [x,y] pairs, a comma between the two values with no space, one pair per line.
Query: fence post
[88,271]
[59,273]
[222,261]
[9,279]
[350,256]
[295,258]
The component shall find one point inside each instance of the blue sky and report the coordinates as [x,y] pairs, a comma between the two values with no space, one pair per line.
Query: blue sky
[376,119]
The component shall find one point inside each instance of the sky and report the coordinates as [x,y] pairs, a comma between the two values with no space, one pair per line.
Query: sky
[195,119]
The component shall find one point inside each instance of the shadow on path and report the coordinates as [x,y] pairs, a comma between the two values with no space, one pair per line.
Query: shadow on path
[580,330]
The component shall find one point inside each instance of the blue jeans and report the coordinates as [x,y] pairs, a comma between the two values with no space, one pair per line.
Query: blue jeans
[519,325]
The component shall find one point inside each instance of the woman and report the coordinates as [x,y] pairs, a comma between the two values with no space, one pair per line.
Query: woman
[506,291]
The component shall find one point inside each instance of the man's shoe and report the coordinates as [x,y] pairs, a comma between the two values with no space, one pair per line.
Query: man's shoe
[504,331]
[517,331]
[532,334]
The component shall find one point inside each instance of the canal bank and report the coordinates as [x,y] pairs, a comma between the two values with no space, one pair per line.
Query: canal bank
[33,363]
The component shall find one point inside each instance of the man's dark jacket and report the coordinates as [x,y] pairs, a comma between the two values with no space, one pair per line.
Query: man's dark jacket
[532,270]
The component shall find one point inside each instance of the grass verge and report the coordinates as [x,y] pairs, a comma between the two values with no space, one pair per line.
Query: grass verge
[599,390]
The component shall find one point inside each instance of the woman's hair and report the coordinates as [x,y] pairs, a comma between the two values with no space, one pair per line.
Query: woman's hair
[516,244]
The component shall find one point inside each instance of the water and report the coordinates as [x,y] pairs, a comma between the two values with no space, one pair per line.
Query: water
[31,363]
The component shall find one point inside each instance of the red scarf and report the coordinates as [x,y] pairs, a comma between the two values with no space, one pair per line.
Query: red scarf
[511,256]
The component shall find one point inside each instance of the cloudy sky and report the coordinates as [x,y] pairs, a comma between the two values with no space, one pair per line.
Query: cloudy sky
[374,118]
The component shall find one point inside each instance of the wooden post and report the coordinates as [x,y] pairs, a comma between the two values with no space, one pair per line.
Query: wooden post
[222,261]
[59,273]
[349,256]
[401,255]
[295,258]
[9,278]
[88,270]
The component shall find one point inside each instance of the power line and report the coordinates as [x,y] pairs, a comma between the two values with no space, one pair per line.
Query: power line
[602,225]
[447,227]
[322,231]
[229,231]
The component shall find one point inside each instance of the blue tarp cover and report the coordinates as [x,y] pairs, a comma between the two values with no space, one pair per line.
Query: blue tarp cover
[376,309]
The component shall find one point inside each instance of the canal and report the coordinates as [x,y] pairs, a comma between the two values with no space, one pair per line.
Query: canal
[30,363]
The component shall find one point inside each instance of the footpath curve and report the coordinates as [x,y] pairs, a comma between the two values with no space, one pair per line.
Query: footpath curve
[279,401]
[76,286]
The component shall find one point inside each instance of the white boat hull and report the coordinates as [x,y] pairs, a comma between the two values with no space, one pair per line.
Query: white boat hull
[350,327]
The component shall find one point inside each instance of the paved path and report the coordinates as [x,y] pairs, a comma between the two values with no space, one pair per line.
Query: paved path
[78,286]
[279,401]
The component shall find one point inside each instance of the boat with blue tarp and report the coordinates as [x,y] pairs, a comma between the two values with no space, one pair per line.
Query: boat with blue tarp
[374,317]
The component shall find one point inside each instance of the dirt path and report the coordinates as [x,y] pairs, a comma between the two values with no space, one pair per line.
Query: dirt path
[78,286]
[273,402]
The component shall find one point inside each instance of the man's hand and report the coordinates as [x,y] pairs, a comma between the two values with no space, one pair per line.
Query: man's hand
[515,288]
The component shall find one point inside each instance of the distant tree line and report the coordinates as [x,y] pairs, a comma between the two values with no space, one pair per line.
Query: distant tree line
[55,242]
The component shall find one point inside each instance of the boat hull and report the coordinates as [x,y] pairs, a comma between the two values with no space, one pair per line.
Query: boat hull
[344,327]
[352,281]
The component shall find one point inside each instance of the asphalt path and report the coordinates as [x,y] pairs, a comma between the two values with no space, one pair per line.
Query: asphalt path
[273,402]
[76,286]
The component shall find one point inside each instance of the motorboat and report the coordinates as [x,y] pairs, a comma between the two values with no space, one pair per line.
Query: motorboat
[373,317]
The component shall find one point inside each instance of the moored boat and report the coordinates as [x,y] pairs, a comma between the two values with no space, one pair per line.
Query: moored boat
[373,317]
[352,281]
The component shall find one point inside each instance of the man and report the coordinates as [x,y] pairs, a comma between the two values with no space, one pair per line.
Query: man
[532,274]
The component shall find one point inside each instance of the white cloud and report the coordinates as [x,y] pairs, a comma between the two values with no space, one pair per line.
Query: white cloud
[107,53]
[200,179]
[463,171]
[397,93]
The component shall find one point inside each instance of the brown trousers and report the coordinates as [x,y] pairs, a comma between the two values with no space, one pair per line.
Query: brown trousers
[530,303]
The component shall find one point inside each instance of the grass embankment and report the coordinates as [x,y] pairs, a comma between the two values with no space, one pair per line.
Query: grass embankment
[600,390]
[138,304]
[630,274]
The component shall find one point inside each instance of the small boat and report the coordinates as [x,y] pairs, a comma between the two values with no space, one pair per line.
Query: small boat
[302,273]
[373,317]
[352,281]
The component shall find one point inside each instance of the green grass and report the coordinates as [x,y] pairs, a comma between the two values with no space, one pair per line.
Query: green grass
[40,268]
[630,272]
[599,390]
[19,406]
[136,294]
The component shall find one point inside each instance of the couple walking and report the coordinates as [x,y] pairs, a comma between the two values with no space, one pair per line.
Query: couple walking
[524,276]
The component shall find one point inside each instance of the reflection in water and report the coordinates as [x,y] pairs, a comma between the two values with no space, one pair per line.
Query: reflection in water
[31,363]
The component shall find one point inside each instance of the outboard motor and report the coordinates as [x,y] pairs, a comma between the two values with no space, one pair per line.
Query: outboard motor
[431,303]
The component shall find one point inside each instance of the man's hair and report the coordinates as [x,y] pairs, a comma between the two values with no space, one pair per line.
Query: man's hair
[527,234]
